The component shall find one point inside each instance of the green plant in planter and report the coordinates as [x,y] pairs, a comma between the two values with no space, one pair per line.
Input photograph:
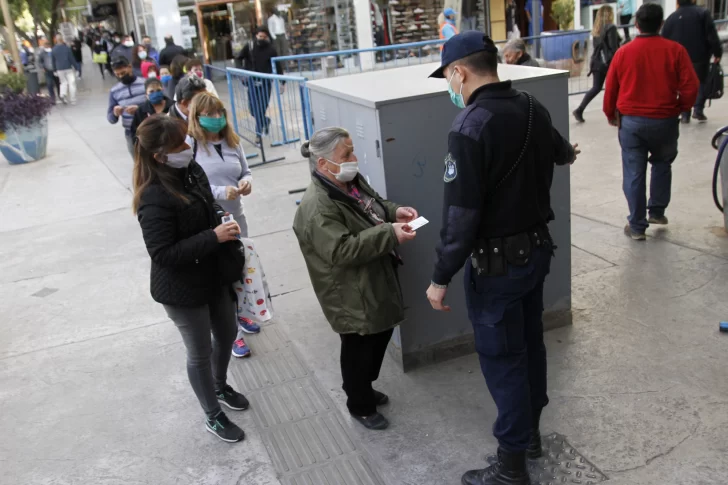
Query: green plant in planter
[23,125]
[562,11]
[12,81]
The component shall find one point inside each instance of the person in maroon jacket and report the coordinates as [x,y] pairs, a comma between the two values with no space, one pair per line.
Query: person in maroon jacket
[651,80]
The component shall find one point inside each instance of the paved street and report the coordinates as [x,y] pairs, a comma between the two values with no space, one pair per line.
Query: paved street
[93,388]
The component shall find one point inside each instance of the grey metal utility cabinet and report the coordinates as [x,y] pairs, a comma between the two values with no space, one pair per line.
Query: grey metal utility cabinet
[399,121]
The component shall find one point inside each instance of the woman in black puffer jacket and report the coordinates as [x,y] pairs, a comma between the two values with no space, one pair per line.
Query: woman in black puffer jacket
[174,205]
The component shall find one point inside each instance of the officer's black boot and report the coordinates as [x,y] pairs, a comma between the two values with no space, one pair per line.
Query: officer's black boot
[534,451]
[510,469]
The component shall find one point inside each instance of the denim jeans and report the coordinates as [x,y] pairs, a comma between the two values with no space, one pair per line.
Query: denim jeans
[506,313]
[258,99]
[647,140]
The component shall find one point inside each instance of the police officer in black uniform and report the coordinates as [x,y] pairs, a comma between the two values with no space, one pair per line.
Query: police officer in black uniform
[502,149]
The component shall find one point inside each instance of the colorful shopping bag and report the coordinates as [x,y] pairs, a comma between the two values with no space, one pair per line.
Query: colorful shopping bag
[252,289]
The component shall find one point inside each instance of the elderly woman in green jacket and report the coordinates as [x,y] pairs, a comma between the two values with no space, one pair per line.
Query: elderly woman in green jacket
[349,237]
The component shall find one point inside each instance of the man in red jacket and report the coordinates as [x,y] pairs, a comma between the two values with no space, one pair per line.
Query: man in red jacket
[651,80]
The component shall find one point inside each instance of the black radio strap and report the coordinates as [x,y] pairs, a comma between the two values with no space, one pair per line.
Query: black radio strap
[525,147]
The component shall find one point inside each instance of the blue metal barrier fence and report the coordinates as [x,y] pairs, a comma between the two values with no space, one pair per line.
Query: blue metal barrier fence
[269,107]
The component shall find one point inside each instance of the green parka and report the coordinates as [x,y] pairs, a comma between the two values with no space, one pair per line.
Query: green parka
[349,258]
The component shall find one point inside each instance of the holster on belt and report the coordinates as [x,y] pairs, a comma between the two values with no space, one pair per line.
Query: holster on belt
[492,256]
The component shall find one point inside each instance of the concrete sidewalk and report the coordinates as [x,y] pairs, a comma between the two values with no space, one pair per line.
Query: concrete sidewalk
[92,376]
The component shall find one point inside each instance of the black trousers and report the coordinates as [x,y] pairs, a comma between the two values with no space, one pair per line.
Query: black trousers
[599,78]
[624,20]
[361,361]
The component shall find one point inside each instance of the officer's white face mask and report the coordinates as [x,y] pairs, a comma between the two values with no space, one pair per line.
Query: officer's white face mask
[347,170]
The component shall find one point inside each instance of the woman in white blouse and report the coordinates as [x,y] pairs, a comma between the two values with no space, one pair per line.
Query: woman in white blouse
[220,153]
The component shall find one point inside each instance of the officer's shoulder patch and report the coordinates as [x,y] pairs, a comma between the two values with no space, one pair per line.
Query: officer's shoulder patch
[451,168]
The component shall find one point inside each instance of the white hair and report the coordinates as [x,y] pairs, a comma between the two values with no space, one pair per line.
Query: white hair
[323,143]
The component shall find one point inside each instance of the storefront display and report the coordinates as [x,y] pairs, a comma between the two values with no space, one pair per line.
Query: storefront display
[414,20]
[313,29]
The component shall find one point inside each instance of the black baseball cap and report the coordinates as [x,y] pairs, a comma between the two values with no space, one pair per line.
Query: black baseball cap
[463,45]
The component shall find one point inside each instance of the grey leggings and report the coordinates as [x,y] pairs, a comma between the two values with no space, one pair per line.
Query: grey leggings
[207,358]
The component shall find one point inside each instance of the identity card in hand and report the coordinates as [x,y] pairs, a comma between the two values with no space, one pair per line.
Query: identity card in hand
[417,223]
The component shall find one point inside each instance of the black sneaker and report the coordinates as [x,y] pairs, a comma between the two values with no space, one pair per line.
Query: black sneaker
[685,118]
[224,429]
[578,115]
[232,399]
[700,117]
[381,398]
[375,422]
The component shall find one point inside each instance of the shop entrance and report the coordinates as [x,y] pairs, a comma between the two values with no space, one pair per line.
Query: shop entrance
[224,29]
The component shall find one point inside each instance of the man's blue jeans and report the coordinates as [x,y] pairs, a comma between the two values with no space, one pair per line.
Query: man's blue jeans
[506,313]
[647,140]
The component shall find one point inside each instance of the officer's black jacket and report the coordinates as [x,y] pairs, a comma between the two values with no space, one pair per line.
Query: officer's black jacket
[484,143]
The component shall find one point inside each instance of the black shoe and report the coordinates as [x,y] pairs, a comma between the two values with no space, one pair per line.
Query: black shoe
[698,115]
[375,421]
[685,118]
[224,429]
[534,450]
[662,220]
[579,115]
[232,399]
[510,469]
[381,398]
[636,236]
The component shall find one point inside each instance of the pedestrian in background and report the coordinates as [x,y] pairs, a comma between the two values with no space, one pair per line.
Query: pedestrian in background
[447,27]
[125,98]
[177,70]
[140,61]
[195,67]
[65,67]
[101,55]
[173,203]
[153,54]
[349,237]
[256,56]
[496,209]
[606,42]
[514,52]
[124,49]
[187,89]
[45,65]
[156,103]
[219,151]
[650,82]
[626,9]
[693,28]
[170,51]
[77,49]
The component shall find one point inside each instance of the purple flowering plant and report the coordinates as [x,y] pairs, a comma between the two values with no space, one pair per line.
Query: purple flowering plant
[21,110]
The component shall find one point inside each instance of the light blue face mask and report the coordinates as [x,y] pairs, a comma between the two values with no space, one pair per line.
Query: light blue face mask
[457,99]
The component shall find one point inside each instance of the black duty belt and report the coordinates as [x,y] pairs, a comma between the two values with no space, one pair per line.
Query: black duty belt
[492,256]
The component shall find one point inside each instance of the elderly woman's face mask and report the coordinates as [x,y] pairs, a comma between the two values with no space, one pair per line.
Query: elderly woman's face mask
[348,166]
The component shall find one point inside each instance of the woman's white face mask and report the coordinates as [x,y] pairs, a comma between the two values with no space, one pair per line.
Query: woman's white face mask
[347,170]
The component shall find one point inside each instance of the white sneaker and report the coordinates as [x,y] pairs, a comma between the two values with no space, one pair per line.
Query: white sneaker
[419,11]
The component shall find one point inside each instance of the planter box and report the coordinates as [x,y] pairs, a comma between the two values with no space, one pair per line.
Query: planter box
[562,46]
[22,145]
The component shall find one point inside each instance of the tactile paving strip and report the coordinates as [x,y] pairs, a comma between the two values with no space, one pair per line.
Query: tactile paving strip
[308,440]
[562,463]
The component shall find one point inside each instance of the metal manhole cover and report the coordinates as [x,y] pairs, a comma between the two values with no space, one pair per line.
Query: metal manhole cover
[562,463]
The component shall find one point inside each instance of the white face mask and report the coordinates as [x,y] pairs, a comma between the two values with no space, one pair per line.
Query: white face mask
[347,170]
[179,160]
[152,74]
[129,43]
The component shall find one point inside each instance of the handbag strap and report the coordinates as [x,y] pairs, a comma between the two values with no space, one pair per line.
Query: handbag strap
[525,147]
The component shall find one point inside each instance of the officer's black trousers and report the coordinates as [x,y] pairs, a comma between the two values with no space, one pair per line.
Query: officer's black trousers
[506,313]
[361,360]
